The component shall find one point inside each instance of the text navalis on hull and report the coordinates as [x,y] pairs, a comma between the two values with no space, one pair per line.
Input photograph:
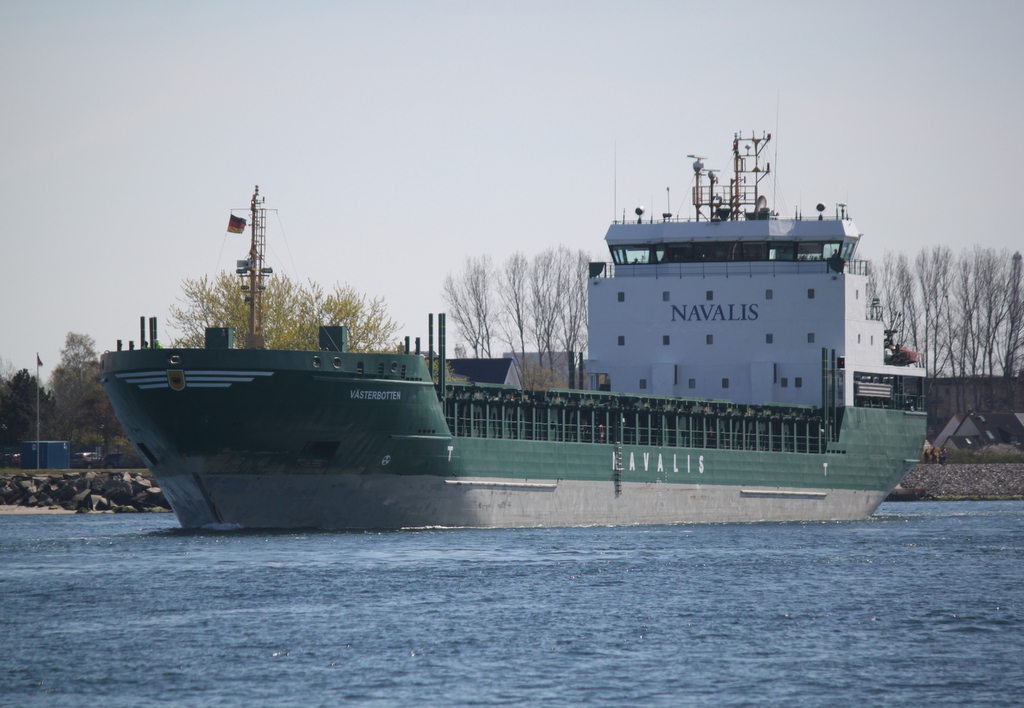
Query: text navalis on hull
[778,395]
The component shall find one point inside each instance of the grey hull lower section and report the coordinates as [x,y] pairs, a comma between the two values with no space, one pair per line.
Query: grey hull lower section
[394,501]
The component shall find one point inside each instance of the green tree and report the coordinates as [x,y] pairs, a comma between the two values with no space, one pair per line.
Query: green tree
[82,412]
[537,377]
[18,408]
[292,314]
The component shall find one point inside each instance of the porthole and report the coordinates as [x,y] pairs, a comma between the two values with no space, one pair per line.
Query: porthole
[394,366]
[174,359]
[337,362]
[316,362]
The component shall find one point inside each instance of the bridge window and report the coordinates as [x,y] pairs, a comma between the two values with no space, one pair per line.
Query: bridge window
[629,255]
[816,250]
[679,253]
[753,251]
[721,251]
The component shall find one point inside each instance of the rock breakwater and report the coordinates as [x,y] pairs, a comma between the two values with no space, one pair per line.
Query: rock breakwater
[83,491]
[985,481]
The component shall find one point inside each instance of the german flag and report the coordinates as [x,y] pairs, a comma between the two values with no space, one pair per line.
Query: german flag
[236,225]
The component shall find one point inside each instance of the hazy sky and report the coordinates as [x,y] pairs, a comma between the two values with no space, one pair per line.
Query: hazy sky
[395,138]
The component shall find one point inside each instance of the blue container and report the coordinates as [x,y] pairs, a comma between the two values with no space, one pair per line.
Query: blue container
[53,455]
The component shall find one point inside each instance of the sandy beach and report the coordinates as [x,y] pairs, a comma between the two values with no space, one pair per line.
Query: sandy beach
[7,509]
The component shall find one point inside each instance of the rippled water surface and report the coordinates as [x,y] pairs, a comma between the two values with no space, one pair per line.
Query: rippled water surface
[922,605]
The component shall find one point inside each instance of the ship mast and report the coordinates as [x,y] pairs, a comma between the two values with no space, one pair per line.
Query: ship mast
[743,193]
[743,199]
[256,272]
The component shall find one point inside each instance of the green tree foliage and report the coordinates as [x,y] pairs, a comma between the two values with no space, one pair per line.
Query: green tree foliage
[292,314]
[18,408]
[82,413]
[536,377]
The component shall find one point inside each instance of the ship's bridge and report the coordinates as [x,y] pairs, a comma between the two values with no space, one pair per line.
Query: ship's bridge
[741,310]
[724,241]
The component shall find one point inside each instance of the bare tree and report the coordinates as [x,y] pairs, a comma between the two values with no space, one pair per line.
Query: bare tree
[574,274]
[991,275]
[469,298]
[514,295]
[966,345]
[933,267]
[906,294]
[889,283]
[544,306]
[1013,337]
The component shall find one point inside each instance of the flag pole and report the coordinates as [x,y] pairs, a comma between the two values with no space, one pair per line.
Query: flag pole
[39,362]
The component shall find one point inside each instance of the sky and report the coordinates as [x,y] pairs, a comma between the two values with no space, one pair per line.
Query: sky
[393,138]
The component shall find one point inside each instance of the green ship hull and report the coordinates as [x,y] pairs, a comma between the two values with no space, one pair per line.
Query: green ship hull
[275,439]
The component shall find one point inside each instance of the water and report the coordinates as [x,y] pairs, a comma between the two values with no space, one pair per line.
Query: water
[921,605]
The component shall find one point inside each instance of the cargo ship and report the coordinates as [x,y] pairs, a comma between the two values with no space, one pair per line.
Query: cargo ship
[738,370]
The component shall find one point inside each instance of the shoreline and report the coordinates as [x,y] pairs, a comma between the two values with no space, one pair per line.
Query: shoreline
[48,492]
[960,482]
[67,491]
[11,510]
[15,510]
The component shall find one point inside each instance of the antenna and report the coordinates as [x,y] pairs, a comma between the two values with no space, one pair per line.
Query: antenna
[775,179]
[254,271]
[698,171]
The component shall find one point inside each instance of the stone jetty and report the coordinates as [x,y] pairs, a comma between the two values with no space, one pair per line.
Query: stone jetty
[984,481]
[90,490]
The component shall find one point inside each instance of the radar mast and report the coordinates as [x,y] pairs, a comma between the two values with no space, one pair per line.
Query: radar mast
[255,271]
[743,199]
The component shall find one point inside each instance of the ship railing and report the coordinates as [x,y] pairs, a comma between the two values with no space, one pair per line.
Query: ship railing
[728,269]
[565,416]
[892,391]
[652,219]
[897,401]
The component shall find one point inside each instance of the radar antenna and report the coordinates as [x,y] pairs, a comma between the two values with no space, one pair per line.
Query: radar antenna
[743,196]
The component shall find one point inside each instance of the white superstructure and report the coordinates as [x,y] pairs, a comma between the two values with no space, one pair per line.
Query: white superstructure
[739,305]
